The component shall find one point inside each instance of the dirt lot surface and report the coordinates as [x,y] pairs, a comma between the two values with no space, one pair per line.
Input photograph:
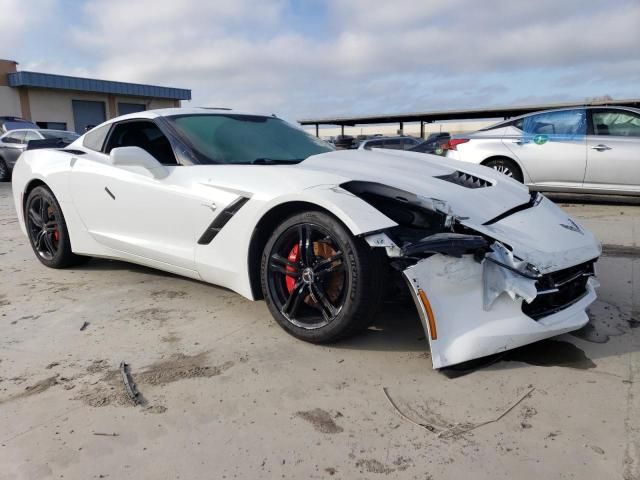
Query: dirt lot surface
[227,394]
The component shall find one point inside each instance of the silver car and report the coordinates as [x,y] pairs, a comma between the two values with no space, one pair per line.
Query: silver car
[393,143]
[585,149]
[14,142]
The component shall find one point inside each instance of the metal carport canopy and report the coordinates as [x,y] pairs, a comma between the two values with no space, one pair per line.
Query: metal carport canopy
[466,114]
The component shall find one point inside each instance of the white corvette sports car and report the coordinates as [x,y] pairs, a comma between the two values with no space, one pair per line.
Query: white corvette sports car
[254,204]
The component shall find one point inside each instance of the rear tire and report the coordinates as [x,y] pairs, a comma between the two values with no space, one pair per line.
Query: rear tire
[47,230]
[320,283]
[507,167]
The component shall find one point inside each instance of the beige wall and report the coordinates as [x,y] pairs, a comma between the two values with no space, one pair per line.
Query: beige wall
[9,102]
[412,129]
[56,105]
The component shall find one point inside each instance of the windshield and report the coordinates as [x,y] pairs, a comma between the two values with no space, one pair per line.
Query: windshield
[64,135]
[14,125]
[242,139]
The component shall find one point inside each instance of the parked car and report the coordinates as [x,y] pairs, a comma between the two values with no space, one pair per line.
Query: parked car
[392,143]
[13,123]
[345,142]
[259,206]
[14,142]
[434,144]
[587,149]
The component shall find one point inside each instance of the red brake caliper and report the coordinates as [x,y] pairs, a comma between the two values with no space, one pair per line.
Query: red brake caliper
[56,235]
[293,257]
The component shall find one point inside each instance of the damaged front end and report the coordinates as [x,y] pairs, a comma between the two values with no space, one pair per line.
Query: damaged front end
[476,288]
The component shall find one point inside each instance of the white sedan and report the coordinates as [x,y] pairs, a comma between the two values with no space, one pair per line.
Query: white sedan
[254,204]
[593,150]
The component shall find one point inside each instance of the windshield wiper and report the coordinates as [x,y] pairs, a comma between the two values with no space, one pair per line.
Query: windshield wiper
[276,161]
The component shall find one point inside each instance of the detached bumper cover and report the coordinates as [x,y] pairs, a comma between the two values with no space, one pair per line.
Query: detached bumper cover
[454,292]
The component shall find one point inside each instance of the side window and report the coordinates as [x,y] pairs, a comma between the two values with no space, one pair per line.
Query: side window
[373,144]
[616,122]
[94,139]
[144,134]
[31,136]
[408,143]
[560,123]
[15,137]
[393,143]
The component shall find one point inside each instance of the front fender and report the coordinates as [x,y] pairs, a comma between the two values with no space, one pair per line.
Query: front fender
[224,261]
[358,216]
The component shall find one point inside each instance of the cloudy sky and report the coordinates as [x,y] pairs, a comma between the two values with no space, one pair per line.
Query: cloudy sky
[315,58]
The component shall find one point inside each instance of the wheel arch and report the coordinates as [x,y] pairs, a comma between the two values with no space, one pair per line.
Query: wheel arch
[29,187]
[33,183]
[271,219]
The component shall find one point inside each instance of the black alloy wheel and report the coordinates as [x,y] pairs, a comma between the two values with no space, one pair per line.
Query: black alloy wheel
[44,226]
[47,230]
[320,283]
[307,276]
[506,167]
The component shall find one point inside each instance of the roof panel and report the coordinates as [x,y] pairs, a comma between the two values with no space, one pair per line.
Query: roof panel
[63,82]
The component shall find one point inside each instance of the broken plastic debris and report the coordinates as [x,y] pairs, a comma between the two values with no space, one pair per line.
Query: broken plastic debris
[498,279]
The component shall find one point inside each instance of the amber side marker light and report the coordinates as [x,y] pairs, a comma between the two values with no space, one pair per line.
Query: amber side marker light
[430,316]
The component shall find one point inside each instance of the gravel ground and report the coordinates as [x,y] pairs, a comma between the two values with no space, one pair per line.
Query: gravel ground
[227,394]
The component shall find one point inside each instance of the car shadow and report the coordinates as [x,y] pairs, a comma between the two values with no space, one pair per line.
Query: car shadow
[397,327]
[610,333]
[108,265]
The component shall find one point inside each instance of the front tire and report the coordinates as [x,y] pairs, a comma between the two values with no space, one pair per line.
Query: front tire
[320,283]
[506,167]
[47,230]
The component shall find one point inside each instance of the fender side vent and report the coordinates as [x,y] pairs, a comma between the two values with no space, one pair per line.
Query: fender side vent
[466,180]
[221,220]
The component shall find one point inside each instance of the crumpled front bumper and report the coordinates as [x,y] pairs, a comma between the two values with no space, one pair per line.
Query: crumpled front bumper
[448,293]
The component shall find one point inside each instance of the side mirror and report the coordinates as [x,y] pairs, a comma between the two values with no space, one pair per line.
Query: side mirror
[137,157]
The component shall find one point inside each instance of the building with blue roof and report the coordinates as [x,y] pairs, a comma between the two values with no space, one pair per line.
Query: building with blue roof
[75,103]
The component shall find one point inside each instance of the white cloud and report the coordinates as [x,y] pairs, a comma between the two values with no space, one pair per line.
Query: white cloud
[366,56]
[16,21]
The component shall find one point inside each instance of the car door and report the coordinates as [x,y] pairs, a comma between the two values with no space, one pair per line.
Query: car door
[12,146]
[613,150]
[128,209]
[552,148]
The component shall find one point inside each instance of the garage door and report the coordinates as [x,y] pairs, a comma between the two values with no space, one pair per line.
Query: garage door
[87,113]
[124,108]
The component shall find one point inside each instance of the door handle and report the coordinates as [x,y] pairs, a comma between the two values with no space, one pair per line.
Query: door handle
[601,148]
[521,141]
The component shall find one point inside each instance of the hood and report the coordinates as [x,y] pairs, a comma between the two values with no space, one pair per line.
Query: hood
[544,236]
[418,173]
